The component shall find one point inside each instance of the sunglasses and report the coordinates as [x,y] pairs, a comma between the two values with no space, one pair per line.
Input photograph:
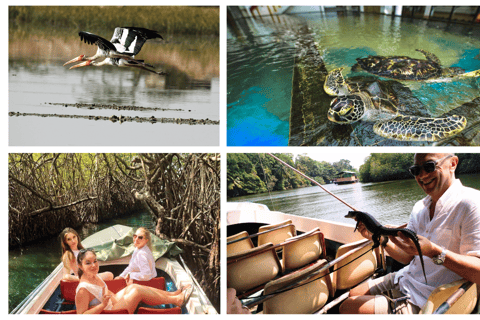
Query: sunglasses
[428,166]
[88,249]
[139,237]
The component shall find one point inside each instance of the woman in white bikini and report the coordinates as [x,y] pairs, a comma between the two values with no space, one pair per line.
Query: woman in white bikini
[142,263]
[93,295]
[71,246]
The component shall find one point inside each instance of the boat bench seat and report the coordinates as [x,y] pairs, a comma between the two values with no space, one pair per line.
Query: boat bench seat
[251,268]
[307,298]
[239,246]
[282,231]
[158,283]
[303,249]
[355,271]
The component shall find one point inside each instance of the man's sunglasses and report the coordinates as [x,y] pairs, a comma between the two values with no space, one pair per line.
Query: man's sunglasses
[428,166]
[139,237]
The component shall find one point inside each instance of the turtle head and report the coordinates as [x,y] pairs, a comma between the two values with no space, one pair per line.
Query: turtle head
[346,109]
[452,71]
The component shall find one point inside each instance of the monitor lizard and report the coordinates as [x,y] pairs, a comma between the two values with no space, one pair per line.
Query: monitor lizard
[378,230]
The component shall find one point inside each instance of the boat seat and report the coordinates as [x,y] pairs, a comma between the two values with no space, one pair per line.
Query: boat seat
[356,271]
[144,310]
[251,268]
[158,283]
[305,299]
[464,305]
[239,246]
[276,236]
[120,311]
[303,249]
[68,290]
[116,285]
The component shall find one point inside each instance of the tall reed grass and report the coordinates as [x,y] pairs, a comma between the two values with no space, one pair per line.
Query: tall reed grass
[164,19]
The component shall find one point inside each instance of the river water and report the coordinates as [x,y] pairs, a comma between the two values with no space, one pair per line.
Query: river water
[28,266]
[390,202]
[40,85]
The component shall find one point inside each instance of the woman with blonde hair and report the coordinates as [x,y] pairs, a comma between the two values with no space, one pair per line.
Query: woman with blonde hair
[71,246]
[142,263]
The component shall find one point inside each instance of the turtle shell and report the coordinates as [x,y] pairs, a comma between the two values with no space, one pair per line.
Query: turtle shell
[400,67]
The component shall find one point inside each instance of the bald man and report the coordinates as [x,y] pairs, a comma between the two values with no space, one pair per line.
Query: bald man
[447,222]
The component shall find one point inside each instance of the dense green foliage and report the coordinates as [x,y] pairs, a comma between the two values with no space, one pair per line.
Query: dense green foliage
[394,166]
[250,173]
[164,19]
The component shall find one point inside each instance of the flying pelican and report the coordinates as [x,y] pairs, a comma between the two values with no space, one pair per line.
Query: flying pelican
[126,43]
[119,62]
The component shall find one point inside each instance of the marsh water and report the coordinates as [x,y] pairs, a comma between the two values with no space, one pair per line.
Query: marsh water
[39,84]
[30,265]
[260,61]
[390,202]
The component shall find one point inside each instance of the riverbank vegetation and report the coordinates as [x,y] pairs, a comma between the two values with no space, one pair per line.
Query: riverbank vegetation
[250,173]
[394,166]
[48,192]
[169,20]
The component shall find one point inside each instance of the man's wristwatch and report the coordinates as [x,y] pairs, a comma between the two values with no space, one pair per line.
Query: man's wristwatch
[440,259]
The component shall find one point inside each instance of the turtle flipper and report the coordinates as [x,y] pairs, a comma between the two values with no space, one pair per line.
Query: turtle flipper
[472,74]
[335,83]
[430,56]
[409,128]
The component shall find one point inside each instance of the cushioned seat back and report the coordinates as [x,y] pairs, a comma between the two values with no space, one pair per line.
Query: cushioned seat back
[68,290]
[116,285]
[158,283]
[282,232]
[239,246]
[303,249]
[356,271]
[252,268]
[304,299]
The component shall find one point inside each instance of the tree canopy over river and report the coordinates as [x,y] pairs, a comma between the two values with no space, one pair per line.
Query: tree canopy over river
[251,173]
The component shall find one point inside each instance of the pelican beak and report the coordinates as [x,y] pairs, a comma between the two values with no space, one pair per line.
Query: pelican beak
[79,58]
[83,64]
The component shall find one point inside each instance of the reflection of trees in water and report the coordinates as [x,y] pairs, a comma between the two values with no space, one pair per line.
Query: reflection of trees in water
[123,86]
[198,57]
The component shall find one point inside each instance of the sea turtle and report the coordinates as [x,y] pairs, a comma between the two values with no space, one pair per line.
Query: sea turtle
[375,101]
[406,68]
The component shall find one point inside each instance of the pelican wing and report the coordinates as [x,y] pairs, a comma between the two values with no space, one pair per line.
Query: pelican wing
[91,38]
[130,40]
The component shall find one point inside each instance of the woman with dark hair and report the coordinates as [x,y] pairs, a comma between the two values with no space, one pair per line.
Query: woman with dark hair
[142,263]
[71,246]
[93,295]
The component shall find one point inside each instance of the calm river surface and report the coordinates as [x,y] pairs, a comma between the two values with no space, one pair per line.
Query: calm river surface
[186,98]
[390,202]
[28,266]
